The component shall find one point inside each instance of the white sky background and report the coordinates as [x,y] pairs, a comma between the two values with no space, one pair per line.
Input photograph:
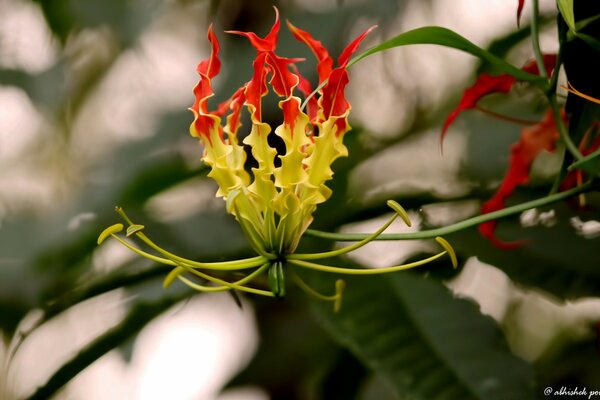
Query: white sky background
[156,77]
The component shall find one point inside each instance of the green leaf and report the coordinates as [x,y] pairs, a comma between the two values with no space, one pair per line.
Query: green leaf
[428,343]
[138,317]
[446,37]
[566,9]
[589,164]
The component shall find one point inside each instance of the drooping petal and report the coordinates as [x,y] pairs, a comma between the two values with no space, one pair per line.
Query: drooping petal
[519,11]
[534,140]
[205,123]
[282,80]
[269,42]
[352,47]
[325,62]
[485,84]
[257,87]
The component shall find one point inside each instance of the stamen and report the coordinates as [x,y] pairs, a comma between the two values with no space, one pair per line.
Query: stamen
[571,89]
[446,245]
[353,271]
[400,212]
[235,285]
[343,250]
[228,285]
[221,266]
[335,298]
[394,205]
[116,228]
[202,288]
[132,229]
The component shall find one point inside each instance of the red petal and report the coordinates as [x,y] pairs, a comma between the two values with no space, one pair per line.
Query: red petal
[333,101]
[207,69]
[485,84]
[519,11]
[352,47]
[282,80]
[211,66]
[534,139]
[325,64]
[269,42]
[257,87]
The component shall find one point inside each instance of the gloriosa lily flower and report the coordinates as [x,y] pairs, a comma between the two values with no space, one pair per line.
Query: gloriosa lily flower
[275,202]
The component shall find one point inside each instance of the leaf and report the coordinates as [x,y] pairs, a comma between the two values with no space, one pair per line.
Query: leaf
[428,343]
[138,317]
[446,37]
[589,164]
[566,10]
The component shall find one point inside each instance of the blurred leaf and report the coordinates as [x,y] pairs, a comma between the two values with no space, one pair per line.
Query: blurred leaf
[140,314]
[446,37]
[127,18]
[295,352]
[566,9]
[589,164]
[503,45]
[426,342]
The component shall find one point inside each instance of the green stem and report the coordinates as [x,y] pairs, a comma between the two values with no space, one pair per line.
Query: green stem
[562,129]
[535,40]
[467,223]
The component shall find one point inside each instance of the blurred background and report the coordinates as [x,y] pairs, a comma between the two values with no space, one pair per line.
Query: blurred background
[93,99]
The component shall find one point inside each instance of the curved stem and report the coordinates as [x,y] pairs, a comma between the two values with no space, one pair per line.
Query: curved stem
[467,223]
[562,129]
[312,292]
[344,250]
[535,39]
[503,117]
[353,271]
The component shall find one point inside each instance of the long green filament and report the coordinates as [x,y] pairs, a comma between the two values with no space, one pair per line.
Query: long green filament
[238,285]
[344,250]
[219,266]
[202,288]
[353,271]
[335,298]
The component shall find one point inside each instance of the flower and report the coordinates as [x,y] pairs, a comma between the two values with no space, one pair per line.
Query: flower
[275,201]
[275,204]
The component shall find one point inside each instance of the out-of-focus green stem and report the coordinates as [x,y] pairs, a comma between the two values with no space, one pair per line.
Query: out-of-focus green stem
[535,40]
[467,223]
